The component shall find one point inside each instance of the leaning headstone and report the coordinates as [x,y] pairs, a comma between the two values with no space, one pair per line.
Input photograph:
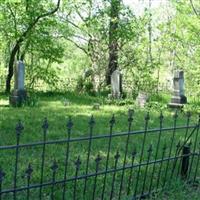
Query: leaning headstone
[178,99]
[116,84]
[18,95]
[142,99]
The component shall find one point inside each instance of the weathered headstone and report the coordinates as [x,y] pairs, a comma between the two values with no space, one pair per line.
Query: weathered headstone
[96,106]
[142,99]
[18,95]
[178,99]
[116,84]
[66,102]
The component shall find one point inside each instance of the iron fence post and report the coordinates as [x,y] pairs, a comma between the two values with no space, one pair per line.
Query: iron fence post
[2,175]
[19,128]
[185,161]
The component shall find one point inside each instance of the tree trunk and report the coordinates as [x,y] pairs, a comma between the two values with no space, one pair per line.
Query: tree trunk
[11,67]
[113,40]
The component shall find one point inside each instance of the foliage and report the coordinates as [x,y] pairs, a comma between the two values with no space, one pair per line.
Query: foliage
[182,40]
[85,85]
[59,47]
[28,31]
[32,99]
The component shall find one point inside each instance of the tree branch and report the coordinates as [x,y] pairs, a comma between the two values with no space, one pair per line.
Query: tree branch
[20,40]
[80,37]
[77,45]
[194,9]
[14,17]
[79,14]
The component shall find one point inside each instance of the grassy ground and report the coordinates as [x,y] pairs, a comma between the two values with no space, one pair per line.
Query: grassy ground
[179,191]
[57,108]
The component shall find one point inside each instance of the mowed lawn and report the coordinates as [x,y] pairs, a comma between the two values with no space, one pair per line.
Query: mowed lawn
[57,108]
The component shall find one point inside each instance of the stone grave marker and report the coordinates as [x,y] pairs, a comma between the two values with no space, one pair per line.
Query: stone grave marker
[116,84]
[142,99]
[18,95]
[178,99]
[96,106]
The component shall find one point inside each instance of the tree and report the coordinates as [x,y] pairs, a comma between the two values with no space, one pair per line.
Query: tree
[24,24]
[113,38]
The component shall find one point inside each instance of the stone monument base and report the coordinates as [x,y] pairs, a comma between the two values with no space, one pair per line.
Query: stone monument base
[178,101]
[116,95]
[17,98]
[175,105]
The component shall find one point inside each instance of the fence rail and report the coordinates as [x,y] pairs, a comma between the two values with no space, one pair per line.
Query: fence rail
[125,165]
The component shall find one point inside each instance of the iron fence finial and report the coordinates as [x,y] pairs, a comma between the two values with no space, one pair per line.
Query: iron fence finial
[161,117]
[29,170]
[164,146]
[2,174]
[45,124]
[134,152]
[91,121]
[70,123]
[54,166]
[112,121]
[19,128]
[117,155]
[147,117]
[150,149]
[98,159]
[130,115]
[78,162]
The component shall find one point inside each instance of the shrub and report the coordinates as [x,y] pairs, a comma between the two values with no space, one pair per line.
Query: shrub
[32,99]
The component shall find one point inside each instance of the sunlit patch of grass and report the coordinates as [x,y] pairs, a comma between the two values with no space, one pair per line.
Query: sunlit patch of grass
[4,102]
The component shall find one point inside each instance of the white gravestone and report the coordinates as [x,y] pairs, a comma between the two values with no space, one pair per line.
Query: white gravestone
[19,75]
[178,98]
[18,95]
[142,99]
[116,84]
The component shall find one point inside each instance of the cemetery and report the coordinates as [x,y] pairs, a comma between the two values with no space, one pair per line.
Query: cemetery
[99,100]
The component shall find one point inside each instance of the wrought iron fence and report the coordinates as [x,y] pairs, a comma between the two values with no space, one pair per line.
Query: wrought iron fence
[126,165]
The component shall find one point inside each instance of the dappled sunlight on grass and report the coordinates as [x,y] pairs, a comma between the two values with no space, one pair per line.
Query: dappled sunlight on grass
[80,109]
[4,102]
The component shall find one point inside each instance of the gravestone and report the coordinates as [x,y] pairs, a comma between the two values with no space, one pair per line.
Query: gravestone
[66,102]
[18,95]
[96,106]
[116,84]
[178,99]
[142,99]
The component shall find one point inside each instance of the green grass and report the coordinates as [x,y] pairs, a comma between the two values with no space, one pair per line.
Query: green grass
[179,191]
[80,109]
